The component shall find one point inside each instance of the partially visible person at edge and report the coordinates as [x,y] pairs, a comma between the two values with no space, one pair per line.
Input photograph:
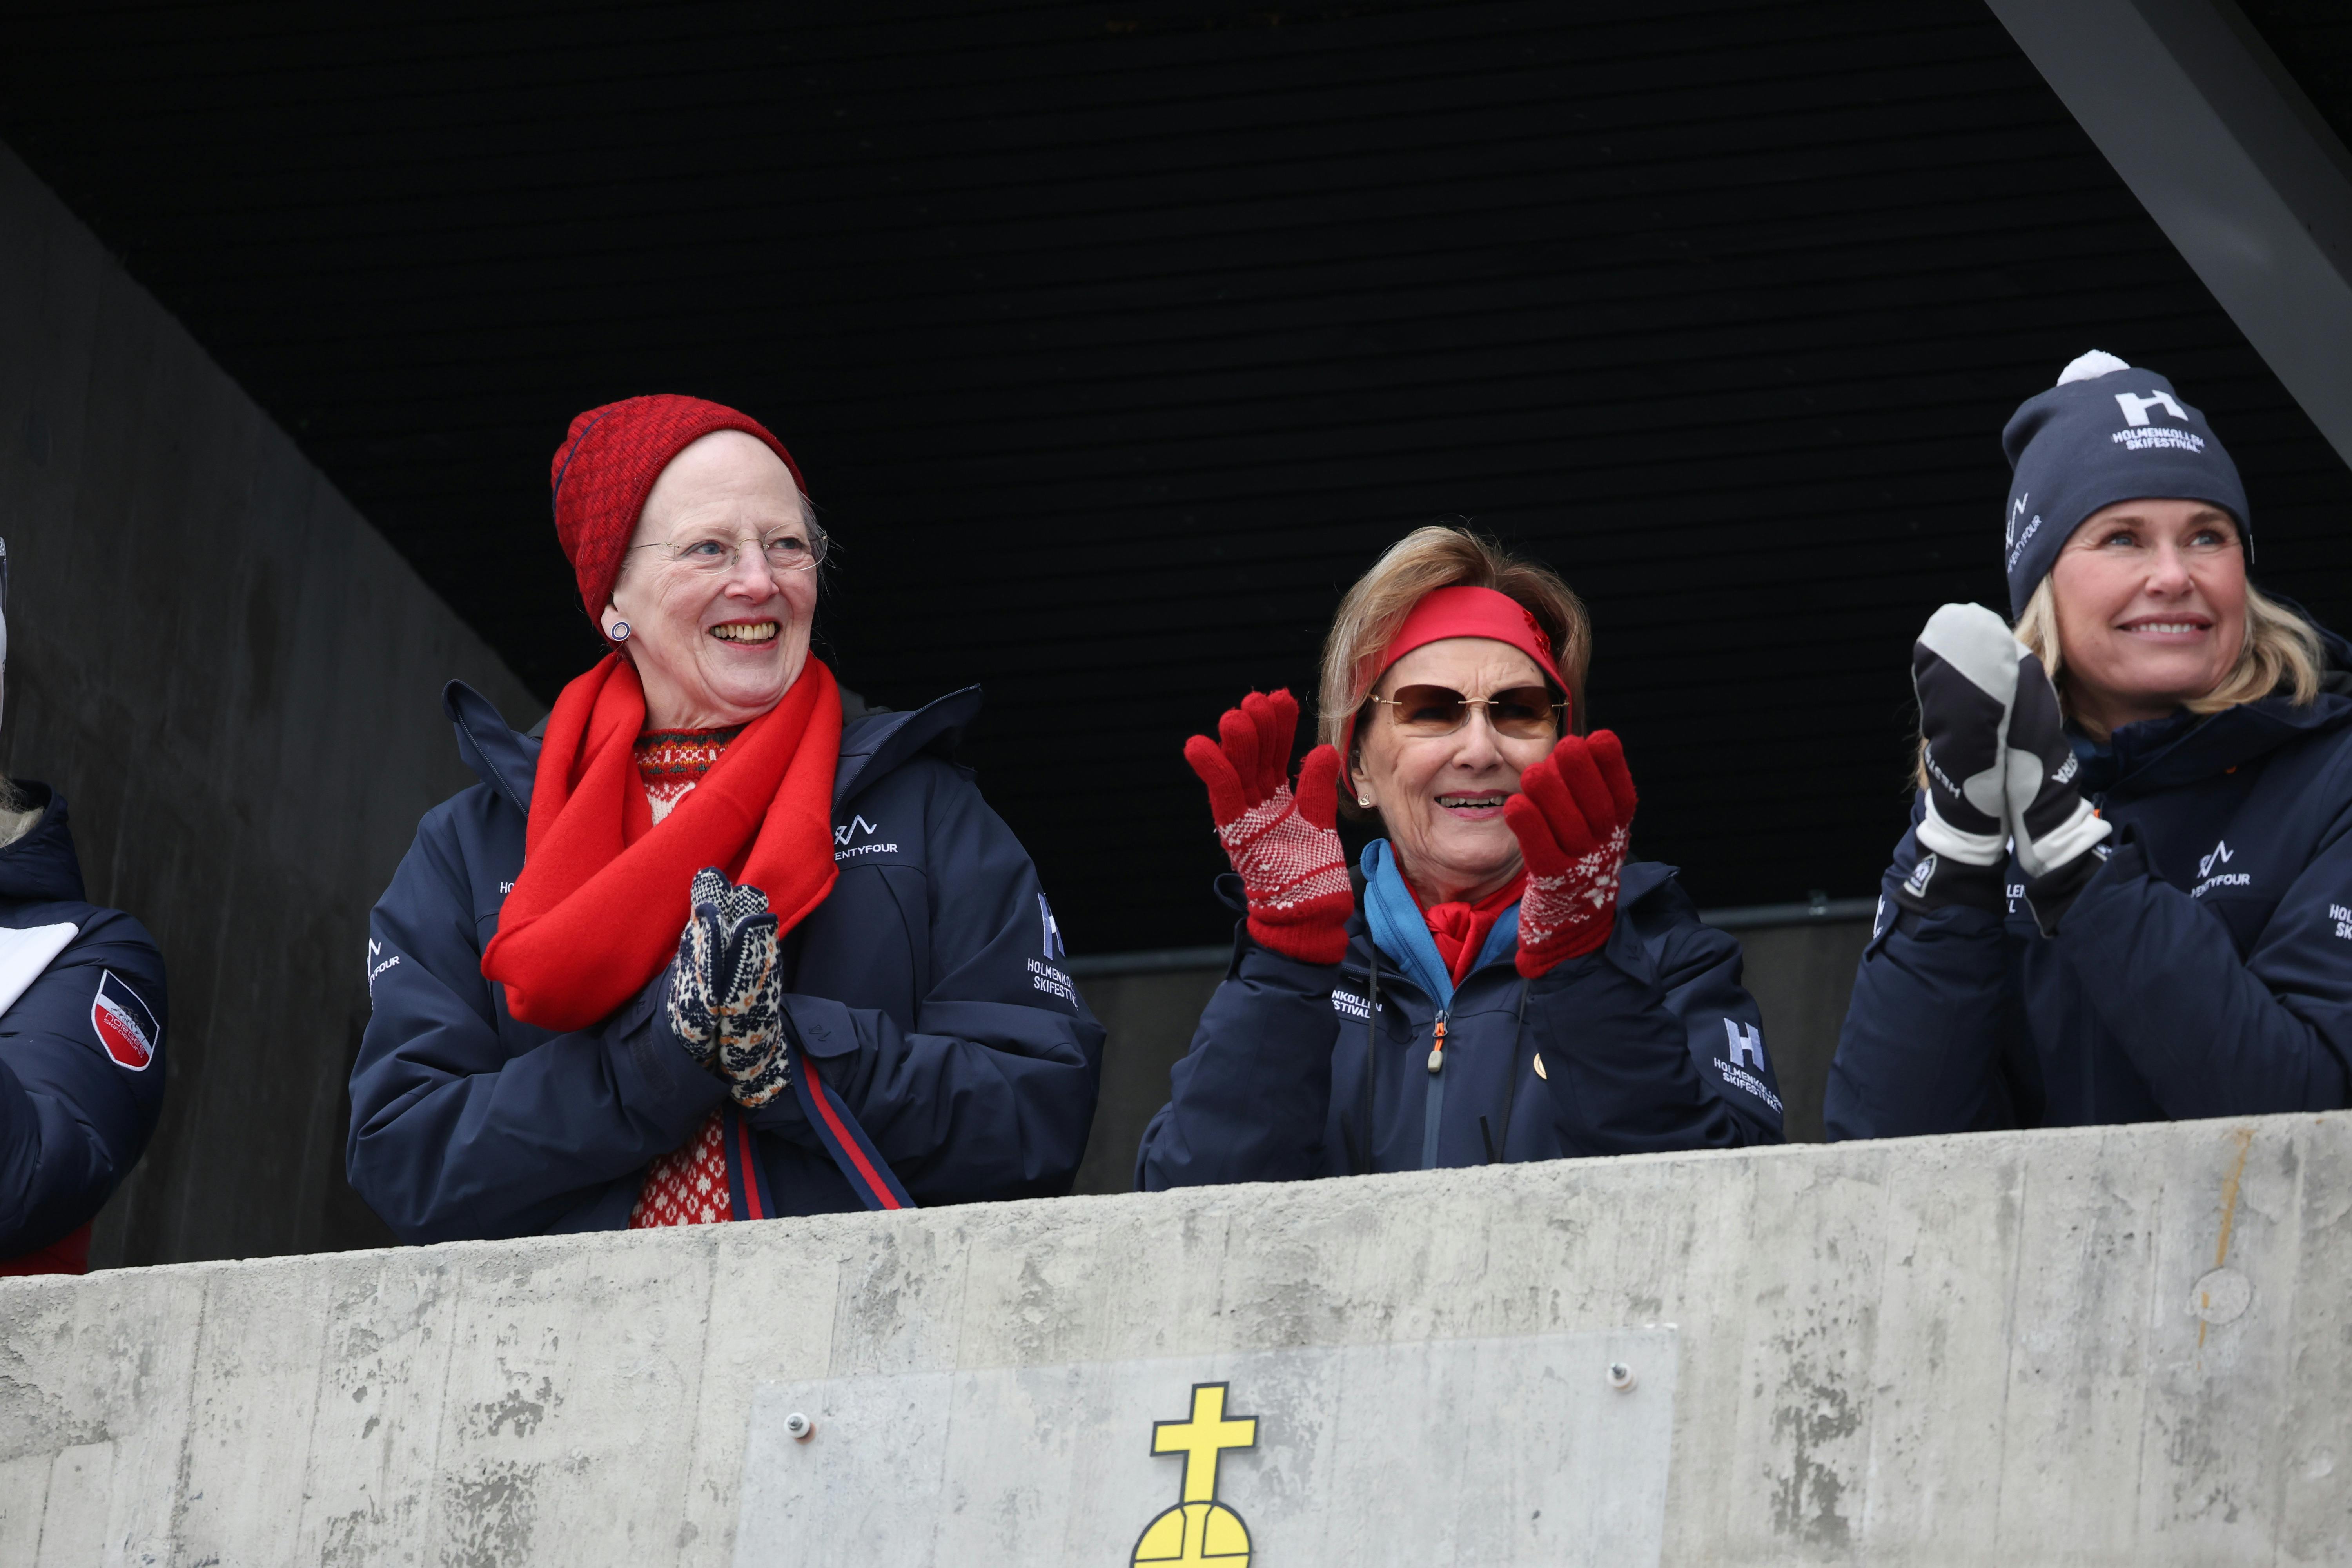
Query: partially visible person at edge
[708,953]
[2122,896]
[82,1034]
[1498,982]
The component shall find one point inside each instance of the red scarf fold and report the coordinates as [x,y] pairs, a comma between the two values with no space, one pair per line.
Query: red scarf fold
[597,909]
[1460,930]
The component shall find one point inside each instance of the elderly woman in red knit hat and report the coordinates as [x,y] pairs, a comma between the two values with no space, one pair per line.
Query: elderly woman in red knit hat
[708,953]
[1500,983]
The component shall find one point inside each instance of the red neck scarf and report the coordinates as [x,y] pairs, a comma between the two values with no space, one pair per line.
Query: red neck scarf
[602,898]
[1460,930]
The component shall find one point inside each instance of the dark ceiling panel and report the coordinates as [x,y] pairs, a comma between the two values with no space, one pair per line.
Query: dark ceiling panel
[1115,339]
[2313,39]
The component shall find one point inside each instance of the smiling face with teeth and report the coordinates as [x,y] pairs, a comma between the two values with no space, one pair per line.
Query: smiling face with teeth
[2151,607]
[1441,797]
[714,647]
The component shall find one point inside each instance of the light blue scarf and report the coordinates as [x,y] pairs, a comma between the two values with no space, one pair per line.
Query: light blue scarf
[1402,934]
[1399,930]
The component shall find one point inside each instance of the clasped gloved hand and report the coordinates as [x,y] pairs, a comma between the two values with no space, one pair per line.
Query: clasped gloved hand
[1999,769]
[2059,839]
[1573,816]
[1284,844]
[1964,672]
[724,989]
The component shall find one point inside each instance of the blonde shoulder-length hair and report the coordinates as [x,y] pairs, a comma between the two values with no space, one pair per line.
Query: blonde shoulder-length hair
[2281,651]
[1422,562]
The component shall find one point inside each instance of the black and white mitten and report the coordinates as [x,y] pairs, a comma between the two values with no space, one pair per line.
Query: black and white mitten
[2061,839]
[1964,670]
[723,999]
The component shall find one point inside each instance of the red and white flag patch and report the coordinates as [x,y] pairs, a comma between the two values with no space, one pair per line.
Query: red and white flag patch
[125,1028]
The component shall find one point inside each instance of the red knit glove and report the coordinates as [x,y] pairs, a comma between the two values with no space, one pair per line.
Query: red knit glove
[1285,849]
[1573,816]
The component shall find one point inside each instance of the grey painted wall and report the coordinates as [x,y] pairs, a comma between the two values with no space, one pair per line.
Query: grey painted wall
[1801,975]
[236,684]
[1802,978]
[1149,1020]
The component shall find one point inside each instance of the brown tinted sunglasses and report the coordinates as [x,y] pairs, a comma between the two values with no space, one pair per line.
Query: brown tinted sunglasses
[1520,713]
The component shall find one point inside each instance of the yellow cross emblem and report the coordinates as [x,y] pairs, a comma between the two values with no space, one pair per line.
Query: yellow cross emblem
[1200,1529]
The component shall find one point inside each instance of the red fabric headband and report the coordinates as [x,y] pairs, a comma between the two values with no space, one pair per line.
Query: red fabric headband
[609,460]
[1465,613]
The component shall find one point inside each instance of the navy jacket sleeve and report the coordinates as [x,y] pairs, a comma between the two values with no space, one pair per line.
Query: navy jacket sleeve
[1934,1016]
[1248,1101]
[1654,1043]
[74,1117]
[2214,1034]
[991,1093]
[453,1138]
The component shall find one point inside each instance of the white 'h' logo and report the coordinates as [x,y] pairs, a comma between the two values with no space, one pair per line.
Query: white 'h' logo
[1746,1042]
[2136,408]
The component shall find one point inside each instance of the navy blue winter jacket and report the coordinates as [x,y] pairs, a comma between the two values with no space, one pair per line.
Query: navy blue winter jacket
[81,1048]
[922,989]
[2205,970]
[1650,1044]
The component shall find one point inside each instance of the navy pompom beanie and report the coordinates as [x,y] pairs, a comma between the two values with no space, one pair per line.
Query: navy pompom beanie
[2106,432]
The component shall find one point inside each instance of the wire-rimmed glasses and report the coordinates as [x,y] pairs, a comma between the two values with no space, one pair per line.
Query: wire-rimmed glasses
[785,550]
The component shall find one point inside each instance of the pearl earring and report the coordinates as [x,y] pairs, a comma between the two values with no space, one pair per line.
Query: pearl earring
[620,631]
[1365,801]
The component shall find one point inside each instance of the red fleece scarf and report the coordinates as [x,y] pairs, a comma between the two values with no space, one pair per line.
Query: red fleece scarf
[597,910]
[1460,930]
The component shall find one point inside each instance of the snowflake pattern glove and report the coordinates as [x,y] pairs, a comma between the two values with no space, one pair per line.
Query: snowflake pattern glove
[724,1000]
[1573,816]
[1284,844]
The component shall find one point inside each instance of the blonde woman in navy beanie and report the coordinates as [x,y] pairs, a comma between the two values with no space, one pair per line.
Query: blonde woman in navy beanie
[2122,897]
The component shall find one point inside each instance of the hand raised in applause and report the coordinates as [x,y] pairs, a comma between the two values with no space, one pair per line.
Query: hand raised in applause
[1573,816]
[1284,843]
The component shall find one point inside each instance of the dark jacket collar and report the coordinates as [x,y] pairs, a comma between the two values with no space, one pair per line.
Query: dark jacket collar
[2165,753]
[872,745]
[41,867]
[1637,881]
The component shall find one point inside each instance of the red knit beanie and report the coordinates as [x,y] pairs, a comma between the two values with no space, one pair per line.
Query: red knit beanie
[610,459]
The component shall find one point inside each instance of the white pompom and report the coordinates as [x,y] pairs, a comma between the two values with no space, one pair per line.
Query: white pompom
[2091,367]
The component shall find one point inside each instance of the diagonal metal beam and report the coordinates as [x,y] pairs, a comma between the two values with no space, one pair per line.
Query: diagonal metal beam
[2234,163]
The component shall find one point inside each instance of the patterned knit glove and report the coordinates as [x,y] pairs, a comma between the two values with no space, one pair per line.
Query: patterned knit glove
[723,989]
[1286,846]
[1573,816]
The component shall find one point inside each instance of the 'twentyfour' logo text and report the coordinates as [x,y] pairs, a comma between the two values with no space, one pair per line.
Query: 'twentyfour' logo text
[846,836]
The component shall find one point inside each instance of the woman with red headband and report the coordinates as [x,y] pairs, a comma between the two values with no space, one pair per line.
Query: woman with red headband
[1498,982]
[709,953]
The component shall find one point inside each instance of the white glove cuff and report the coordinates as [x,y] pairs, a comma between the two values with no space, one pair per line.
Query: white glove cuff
[2073,839]
[1969,848]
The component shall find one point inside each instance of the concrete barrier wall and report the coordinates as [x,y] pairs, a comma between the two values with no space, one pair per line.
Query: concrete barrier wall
[236,684]
[2128,1345]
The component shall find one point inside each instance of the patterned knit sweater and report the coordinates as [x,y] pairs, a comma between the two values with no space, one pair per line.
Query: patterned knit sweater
[688,1185]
